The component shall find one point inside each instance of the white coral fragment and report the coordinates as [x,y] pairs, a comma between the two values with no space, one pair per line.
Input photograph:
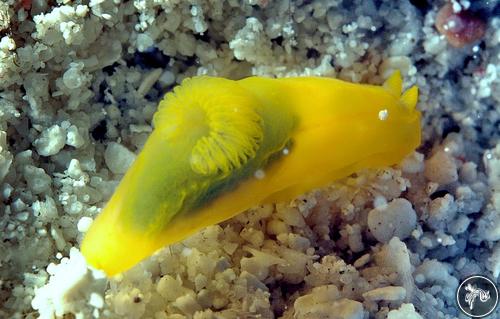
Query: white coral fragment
[397,218]
[5,156]
[51,141]
[118,158]
[69,289]
[388,293]
[324,302]
[441,168]
[406,311]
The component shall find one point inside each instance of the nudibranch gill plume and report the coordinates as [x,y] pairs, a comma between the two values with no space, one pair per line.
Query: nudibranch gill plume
[222,146]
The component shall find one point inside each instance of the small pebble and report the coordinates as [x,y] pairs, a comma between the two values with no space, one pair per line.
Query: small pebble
[118,158]
[406,311]
[460,28]
[22,216]
[51,141]
[398,218]
[441,168]
[84,224]
[38,181]
[388,293]
[96,300]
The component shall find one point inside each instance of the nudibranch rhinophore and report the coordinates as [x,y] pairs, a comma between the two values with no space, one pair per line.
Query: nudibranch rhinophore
[221,146]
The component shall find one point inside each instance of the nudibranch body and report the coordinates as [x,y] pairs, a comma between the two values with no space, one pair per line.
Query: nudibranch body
[221,146]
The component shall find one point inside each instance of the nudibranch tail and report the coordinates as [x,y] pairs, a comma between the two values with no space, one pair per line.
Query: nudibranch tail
[220,147]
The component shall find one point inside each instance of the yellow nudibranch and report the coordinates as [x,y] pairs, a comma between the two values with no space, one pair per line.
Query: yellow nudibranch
[221,146]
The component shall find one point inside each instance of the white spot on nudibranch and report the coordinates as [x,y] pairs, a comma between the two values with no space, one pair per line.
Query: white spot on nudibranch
[383,115]
[259,174]
[286,151]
